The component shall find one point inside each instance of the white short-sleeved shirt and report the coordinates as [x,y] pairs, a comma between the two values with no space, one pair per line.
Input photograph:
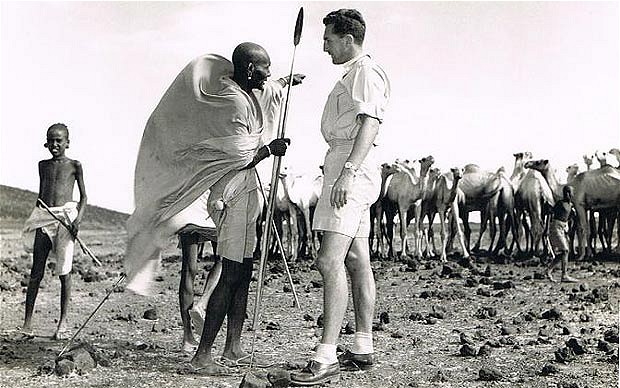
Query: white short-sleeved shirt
[364,89]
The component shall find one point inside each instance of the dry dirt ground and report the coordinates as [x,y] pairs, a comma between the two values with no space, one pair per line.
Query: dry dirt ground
[430,306]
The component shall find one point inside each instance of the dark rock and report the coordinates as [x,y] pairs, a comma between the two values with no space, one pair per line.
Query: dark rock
[484,350]
[583,287]
[348,329]
[431,320]
[583,317]
[493,343]
[64,367]
[577,346]
[317,283]
[319,321]
[549,369]
[503,285]
[308,317]
[604,346]
[486,281]
[564,355]
[397,334]
[150,314]
[468,350]
[273,326]
[566,330]
[544,333]
[490,374]
[471,282]
[568,384]
[252,381]
[554,313]
[487,271]
[486,312]
[466,339]
[384,317]
[416,316]
[46,368]
[483,292]
[611,335]
[279,378]
[439,377]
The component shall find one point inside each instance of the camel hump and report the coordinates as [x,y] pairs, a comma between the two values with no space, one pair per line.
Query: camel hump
[471,168]
[600,179]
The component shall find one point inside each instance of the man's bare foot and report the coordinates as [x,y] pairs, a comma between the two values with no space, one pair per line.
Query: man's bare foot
[568,279]
[198,319]
[189,346]
[26,331]
[62,333]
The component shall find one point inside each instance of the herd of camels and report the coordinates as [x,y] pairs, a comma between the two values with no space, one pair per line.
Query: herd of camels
[519,204]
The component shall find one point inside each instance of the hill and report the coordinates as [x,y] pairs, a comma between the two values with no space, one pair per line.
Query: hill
[16,205]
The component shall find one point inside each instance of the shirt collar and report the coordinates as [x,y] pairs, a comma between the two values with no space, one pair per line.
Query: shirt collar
[347,66]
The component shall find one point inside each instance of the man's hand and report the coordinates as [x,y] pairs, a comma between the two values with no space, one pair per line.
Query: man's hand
[278,146]
[298,78]
[74,227]
[341,188]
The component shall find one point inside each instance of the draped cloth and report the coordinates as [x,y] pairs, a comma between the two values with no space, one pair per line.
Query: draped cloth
[204,127]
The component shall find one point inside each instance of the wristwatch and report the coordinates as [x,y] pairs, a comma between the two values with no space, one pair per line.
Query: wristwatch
[350,166]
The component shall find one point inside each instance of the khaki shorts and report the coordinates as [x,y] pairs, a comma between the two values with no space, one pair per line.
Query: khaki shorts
[353,219]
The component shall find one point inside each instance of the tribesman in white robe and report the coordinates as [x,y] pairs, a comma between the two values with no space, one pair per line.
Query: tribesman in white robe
[196,162]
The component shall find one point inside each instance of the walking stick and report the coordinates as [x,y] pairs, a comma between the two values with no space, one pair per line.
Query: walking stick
[274,185]
[64,223]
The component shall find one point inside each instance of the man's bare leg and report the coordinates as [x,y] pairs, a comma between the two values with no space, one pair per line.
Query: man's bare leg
[42,247]
[236,315]
[197,312]
[219,305]
[363,288]
[65,297]
[330,263]
[189,253]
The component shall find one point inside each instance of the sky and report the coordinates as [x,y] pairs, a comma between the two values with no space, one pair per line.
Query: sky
[472,82]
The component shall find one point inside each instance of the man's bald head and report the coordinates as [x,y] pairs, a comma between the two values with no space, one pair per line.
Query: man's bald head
[251,66]
[247,53]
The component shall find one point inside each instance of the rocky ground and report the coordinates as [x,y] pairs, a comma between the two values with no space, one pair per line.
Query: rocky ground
[482,323]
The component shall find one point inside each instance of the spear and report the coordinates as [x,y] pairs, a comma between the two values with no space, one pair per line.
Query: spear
[274,179]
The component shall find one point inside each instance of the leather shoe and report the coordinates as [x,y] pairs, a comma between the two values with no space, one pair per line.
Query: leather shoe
[316,373]
[354,362]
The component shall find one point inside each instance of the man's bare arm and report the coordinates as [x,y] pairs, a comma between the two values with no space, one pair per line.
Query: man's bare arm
[79,178]
[362,145]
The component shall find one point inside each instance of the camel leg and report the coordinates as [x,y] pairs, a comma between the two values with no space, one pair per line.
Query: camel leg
[294,232]
[484,218]
[416,230]
[442,233]
[582,231]
[389,229]
[310,240]
[431,234]
[403,230]
[592,232]
[459,232]
[466,228]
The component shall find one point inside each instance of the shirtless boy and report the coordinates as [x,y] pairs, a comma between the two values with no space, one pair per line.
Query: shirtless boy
[57,178]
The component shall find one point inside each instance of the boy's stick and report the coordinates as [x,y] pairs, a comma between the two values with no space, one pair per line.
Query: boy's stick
[63,223]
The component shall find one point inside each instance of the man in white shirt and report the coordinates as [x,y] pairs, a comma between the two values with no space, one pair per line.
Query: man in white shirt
[352,182]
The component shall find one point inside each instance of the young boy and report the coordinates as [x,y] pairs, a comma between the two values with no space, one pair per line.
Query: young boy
[557,235]
[57,178]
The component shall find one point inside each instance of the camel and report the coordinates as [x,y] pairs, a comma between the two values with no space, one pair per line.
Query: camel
[533,198]
[478,187]
[519,171]
[572,172]
[592,190]
[376,213]
[588,159]
[616,152]
[407,191]
[444,197]
[428,210]
[299,193]
[502,206]
[602,158]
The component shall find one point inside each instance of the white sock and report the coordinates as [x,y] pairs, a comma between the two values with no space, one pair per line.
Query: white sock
[362,343]
[325,354]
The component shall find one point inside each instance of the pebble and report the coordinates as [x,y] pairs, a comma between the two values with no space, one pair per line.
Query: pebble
[468,350]
[554,313]
[490,374]
[549,369]
[279,378]
[150,314]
